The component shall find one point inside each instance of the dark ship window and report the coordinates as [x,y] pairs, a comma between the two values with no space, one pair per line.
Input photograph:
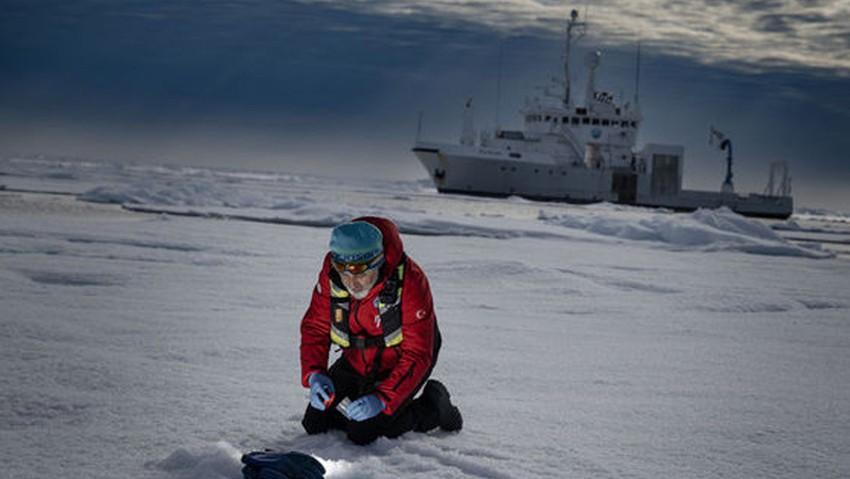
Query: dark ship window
[575,120]
[605,122]
[510,135]
[585,121]
[596,121]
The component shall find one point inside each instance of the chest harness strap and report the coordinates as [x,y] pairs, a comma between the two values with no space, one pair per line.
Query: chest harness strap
[389,309]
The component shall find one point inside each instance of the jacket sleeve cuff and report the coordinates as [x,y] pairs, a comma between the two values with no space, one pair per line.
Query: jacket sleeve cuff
[384,399]
[305,379]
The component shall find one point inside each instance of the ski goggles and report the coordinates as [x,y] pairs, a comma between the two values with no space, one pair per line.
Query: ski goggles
[357,268]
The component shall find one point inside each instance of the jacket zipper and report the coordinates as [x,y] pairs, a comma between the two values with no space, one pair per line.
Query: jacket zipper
[355,308]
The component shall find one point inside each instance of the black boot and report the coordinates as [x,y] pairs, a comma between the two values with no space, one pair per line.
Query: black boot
[448,415]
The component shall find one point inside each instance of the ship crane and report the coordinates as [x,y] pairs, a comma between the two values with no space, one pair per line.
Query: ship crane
[724,144]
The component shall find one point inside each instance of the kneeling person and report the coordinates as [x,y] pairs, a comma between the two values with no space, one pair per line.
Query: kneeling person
[375,303]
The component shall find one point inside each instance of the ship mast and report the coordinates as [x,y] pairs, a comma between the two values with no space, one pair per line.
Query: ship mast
[573,23]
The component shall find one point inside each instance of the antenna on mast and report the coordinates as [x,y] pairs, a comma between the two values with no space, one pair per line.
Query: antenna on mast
[637,79]
[572,23]
[499,87]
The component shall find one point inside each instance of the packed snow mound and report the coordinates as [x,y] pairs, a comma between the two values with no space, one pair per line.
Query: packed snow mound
[705,229]
[821,214]
[208,461]
[197,192]
[414,456]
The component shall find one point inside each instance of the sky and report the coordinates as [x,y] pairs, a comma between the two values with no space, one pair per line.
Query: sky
[339,87]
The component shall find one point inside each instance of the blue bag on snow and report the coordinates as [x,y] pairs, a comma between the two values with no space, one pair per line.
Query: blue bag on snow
[281,465]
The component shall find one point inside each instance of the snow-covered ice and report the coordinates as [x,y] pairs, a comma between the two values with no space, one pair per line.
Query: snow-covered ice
[150,330]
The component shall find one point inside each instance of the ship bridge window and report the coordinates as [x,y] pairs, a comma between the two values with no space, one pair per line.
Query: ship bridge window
[605,122]
[585,121]
[615,123]
[565,120]
[581,111]
[548,118]
[595,121]
[575,120]
[634,124]
[510,135]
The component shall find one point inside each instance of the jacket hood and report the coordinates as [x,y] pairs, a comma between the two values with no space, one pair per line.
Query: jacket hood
[393,247]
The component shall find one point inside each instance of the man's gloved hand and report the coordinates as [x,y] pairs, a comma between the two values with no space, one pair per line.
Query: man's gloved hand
[321,391]
[365,407]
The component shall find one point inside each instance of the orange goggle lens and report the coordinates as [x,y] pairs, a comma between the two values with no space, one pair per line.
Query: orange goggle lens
[357,268]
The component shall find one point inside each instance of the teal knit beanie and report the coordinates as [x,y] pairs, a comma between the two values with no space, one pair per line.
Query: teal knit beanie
[356,242]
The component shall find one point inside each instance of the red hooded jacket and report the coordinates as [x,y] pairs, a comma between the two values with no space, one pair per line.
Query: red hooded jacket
[406,365]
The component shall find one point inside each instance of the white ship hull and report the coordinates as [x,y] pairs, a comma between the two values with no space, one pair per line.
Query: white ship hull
[494,175]
[464,170]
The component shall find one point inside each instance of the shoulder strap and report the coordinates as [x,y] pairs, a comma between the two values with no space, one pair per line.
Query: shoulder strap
[389,304]
[340,301]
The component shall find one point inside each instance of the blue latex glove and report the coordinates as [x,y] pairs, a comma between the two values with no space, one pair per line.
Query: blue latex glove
[365,407]
[321,391]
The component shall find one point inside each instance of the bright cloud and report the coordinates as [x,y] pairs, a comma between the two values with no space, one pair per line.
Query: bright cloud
[753,35]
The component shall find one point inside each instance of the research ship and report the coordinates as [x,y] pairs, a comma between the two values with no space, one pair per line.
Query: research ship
[586,153]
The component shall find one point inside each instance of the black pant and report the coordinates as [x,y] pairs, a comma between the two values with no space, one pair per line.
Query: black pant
[413,415]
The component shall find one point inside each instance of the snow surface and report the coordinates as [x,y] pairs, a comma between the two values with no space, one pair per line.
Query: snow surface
[150,330]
